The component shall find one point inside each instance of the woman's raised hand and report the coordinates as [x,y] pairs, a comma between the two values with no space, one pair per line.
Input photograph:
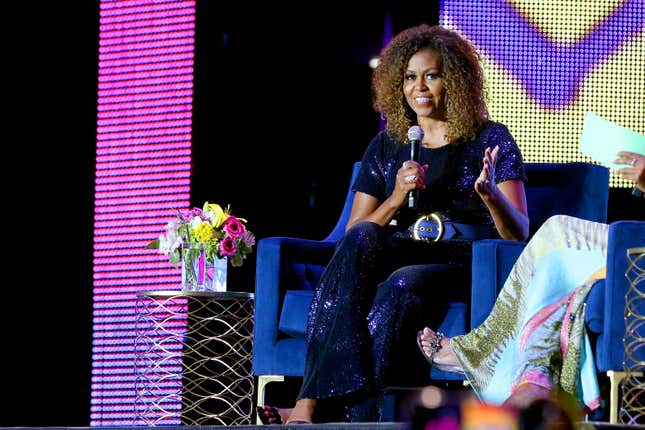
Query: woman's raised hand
[485,183]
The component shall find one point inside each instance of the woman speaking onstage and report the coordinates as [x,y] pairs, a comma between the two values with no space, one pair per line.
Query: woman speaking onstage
[381,285]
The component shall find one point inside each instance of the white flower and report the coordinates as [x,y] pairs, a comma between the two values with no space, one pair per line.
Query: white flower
[169,242]
[195,222]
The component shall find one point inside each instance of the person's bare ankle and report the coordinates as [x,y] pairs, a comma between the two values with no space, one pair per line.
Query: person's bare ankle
[302,412]
[444,355]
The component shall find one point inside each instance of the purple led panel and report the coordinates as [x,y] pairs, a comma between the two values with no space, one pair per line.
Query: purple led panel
[549,63]
[143,157]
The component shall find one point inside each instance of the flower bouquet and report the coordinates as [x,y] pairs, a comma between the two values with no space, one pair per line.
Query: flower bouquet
[202,237]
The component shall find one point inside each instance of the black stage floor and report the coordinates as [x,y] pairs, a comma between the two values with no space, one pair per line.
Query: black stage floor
[587,425]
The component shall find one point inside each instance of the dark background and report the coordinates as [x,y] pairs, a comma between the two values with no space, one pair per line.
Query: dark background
[282,108]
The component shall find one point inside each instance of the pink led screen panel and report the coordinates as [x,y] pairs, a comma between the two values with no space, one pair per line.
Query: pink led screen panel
[143,155]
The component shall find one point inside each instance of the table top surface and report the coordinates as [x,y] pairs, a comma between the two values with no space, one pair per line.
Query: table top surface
[198,294]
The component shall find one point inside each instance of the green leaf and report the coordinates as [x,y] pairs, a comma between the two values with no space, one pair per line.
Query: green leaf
[236,260]
[174,257]
[153,245]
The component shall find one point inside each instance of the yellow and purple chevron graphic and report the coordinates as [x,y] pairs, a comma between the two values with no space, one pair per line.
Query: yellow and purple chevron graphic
[549,62]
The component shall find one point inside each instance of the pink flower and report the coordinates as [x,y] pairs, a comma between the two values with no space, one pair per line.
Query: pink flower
[194,215]
[227,246]
[233,227]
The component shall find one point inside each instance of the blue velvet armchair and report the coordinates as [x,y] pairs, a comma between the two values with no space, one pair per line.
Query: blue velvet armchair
[577,189]
[288,269]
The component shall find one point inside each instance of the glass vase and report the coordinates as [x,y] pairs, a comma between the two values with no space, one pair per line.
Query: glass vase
[199,273]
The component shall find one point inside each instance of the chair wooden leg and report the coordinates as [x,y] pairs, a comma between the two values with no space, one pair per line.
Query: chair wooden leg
[262,383]
[615,377]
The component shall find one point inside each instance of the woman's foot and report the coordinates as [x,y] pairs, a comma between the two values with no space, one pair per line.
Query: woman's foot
[303,412]
[435,347]
[273,415]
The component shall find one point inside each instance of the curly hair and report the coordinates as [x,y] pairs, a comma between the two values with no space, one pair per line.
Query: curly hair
[463,80]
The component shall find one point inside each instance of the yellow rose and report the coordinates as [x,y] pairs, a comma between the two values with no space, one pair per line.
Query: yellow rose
[219,216]
[204,232]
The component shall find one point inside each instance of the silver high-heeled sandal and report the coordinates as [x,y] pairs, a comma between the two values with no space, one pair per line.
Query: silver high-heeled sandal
[434,347]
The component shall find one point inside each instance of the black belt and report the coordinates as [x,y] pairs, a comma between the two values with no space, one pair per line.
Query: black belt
[434,227]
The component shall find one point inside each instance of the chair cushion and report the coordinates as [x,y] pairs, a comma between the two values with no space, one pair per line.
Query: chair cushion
[295,308]
[303,276]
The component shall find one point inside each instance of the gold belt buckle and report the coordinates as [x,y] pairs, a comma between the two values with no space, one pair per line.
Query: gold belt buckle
[421,229]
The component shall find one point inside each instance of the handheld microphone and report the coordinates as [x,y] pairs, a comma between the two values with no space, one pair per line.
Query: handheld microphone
[415,136]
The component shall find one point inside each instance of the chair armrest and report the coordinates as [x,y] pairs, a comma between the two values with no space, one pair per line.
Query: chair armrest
[622,235]
[276,258]
[492,261]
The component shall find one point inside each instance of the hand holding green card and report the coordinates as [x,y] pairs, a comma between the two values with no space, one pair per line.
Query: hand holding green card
[602,140]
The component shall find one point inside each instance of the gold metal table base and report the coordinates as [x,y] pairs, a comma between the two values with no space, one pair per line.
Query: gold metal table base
[193,358]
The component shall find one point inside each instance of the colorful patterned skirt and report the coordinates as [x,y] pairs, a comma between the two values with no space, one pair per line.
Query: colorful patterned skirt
[535,332]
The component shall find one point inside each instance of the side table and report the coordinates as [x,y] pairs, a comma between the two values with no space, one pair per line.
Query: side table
[193,358]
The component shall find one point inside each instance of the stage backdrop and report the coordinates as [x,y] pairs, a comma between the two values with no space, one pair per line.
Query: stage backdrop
[549,62]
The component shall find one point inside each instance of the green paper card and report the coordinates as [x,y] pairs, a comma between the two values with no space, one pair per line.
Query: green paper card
[601,140]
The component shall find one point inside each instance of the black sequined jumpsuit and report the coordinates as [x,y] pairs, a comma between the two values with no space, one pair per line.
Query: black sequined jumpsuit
[377,291]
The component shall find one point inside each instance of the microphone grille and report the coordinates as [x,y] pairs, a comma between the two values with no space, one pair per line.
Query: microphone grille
[415,133]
